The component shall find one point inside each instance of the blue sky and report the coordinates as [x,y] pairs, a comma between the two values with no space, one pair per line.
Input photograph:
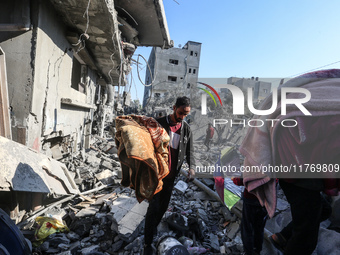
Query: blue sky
[245,38]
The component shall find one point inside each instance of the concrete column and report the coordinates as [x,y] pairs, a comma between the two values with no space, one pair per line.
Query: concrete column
[110,95]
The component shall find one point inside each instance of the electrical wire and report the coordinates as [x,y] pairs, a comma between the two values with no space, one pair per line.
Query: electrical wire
[314,69]
[152,78]
[128,14]
[81,41]
[308,71]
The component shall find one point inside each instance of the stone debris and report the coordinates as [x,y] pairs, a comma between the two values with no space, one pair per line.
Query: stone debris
[106,218]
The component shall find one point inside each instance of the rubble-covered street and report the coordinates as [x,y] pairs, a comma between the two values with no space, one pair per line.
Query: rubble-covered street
[105,218]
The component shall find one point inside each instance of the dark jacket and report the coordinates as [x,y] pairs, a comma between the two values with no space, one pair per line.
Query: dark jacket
[186,148]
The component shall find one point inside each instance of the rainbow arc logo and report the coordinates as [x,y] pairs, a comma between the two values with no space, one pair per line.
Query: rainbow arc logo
[209,93]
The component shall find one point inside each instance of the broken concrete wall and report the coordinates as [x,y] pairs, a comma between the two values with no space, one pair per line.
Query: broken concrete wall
[18,47]
[61,103]
[174,69]
[42,98]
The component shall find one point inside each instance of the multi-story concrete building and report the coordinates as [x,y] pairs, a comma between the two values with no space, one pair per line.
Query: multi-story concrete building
[261,89]
[174,69]
[63,60]
[60,62]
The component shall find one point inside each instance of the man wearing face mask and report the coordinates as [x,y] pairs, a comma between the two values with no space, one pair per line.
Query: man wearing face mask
[180,148]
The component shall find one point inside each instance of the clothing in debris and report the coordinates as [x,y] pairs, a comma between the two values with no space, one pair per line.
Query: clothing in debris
[143,152]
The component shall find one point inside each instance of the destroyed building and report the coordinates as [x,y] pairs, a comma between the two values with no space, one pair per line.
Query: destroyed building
[261,89]
[60,64]
[60,57]
[174,69]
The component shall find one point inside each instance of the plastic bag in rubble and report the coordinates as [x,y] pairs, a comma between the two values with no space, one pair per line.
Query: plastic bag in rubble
[48,226]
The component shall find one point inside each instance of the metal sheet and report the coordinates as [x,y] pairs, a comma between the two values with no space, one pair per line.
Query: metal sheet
[26,170]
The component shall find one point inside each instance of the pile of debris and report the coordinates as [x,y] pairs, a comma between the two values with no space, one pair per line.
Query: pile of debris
[112,223]
[105,218]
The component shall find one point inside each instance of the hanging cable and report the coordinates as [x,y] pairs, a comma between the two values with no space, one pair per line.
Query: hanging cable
[84,36]
[128,14]
[152,78]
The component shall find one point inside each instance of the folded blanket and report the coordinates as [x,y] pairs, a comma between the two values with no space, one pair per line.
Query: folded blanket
[143,152]
[260,144]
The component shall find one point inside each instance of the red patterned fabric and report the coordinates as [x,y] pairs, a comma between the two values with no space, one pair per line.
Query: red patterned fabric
[143,152]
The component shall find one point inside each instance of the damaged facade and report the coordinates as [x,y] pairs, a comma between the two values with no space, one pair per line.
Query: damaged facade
[63,59]
[261,89]
[60,64]
[175,70]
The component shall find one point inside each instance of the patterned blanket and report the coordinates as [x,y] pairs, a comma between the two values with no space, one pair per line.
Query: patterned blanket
[143,152]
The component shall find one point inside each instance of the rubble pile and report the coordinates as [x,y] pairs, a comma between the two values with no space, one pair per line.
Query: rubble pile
[112,223]
[105,218]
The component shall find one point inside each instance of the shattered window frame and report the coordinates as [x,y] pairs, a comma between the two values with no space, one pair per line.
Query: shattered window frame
[79,74]
[173,61]
[172,78]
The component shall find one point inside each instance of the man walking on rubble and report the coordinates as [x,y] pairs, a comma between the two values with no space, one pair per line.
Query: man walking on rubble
[209,136]
[180,148]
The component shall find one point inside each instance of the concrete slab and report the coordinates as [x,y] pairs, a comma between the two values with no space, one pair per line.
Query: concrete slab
[127,217]
[89,211]
[28,170]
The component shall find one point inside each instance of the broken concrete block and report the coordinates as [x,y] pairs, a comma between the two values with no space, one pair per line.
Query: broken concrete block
[226,213]
[233,228]
[115,163]
[89,211]
[329,242]
[203,215]
[127,216]
[72,236]
[282,205]
[117,245]
[222,250]
[106,177]
[57,239]
[65,253]
[132,222]
[181,186]
[90,250]
[208,182]
[56,152]
[202,195]
[82,226]
[214,244]
[105,164]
